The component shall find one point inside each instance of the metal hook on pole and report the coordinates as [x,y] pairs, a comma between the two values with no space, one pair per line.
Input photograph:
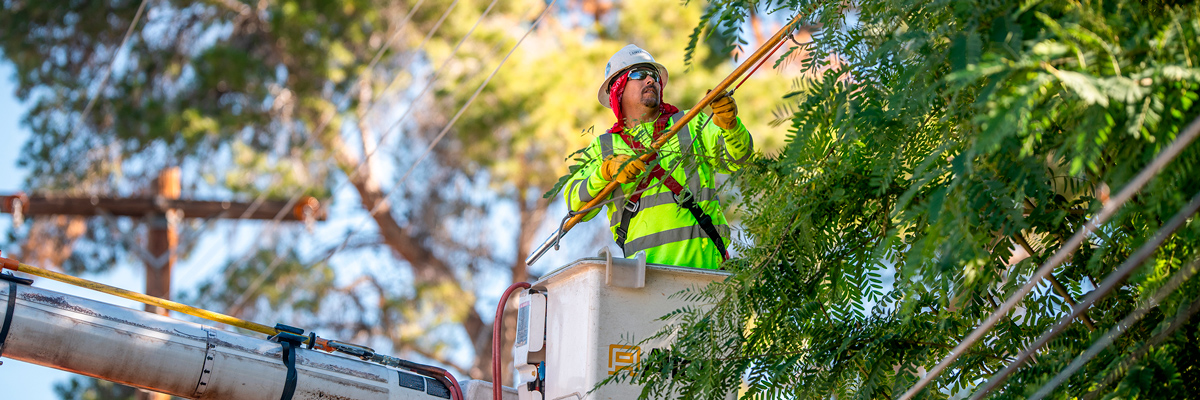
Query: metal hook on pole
[307,210]
[18,213]
[16,205]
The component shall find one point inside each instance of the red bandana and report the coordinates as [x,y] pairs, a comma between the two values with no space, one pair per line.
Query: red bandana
[614,98]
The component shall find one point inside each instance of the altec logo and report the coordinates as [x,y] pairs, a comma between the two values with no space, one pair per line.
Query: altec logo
[621,357]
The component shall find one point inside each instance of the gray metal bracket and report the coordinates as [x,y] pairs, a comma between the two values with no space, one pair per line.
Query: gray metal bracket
[624,272]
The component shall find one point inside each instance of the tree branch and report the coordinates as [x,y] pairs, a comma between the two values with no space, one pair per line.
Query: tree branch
[427,267]
[1058,287]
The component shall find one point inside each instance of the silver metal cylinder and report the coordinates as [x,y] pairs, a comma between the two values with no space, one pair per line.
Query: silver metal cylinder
[185,359]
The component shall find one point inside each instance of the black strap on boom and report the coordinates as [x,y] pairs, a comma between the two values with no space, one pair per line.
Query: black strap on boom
[291,339]
[12,307]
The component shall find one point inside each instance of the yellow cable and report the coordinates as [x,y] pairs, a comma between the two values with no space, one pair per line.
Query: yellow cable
[139,297]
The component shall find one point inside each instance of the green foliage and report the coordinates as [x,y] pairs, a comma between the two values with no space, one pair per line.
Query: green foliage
[84,388]
[280,286]
[196,80]
[269,99]
[937,133]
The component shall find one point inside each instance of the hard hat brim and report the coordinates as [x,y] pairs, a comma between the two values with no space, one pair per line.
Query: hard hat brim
[602,94]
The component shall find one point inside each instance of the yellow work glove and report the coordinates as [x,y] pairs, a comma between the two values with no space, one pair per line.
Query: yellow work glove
[725,112]
[611,168]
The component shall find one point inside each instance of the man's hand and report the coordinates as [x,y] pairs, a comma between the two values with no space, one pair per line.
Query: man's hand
[725,112]
[611,168]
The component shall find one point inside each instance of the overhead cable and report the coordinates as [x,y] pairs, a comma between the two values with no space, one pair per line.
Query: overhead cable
[273,225]
[1167,289]
[1181,318]
[325,122]
[412,103]
[442,134]
[108,71]
[1112,281]
[450,124]
[437,25]
[1149,171]
[399,30]
[253,287]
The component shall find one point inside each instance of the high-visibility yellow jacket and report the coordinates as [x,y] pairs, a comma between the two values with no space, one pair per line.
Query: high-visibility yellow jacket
[667,232]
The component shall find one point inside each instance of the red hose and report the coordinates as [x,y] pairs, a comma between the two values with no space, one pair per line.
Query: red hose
[498,324]
[442,376]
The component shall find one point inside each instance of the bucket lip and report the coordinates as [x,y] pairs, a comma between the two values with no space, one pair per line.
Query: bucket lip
[599,262]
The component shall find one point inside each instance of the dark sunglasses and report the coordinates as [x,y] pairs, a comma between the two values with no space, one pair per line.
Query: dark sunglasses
[641,73]
[638,74]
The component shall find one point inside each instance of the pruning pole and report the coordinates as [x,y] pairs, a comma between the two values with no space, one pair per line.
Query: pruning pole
[715,93]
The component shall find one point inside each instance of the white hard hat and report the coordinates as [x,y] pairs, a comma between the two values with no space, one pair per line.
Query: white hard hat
[625,58]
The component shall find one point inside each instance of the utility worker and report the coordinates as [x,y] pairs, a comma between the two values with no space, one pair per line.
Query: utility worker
[672,212]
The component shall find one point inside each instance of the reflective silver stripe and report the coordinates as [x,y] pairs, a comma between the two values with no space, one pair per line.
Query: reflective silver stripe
[606,145]
[659,199]
[619,204]
[656,199]
[671,236]
[685,134]
[686,144]
[606,149]
[582,188]
[660,238]
[693,182]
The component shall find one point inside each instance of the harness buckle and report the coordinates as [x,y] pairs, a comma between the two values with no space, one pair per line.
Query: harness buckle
[633,206]
[683,196]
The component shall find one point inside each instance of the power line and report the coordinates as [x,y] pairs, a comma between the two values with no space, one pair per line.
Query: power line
[276,261]
[274,224]
[1111,282]
[1176,280]
[399,29]
[449,125]
[1180,319]
[108,71]
[446,129]
[1181,142]
[437,25]
[412,103]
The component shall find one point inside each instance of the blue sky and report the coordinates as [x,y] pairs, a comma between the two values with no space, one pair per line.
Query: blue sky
[20,380]
[32,382]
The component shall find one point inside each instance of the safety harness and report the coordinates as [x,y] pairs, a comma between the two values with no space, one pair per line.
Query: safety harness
[684,197]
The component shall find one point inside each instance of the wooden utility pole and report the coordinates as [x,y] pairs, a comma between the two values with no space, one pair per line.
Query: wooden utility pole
[162,239]
[164,212]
